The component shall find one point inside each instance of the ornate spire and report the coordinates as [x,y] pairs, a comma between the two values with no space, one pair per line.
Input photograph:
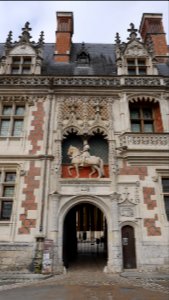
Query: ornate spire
[133,33]
[25,37]
[9,39]
[117,38]
[41,39]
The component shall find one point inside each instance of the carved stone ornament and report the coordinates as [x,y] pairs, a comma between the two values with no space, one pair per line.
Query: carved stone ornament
[135,49]
[85,115]
[24,39]
[30,100]
[105,82]
[131,197]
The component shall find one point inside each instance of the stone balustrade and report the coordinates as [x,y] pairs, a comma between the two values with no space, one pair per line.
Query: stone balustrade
[152,141]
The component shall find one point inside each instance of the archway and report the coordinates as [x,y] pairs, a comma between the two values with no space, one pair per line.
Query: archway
[128,243]
[84,236]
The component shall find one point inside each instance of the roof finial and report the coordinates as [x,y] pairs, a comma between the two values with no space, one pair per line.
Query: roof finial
[9,39]
[133,32]
[41,38]
[25,37]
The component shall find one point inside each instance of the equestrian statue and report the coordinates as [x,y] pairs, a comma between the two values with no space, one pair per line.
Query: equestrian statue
[84,159]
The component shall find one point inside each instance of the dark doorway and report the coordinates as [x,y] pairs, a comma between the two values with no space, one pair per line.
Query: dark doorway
[128,243]
[85,235]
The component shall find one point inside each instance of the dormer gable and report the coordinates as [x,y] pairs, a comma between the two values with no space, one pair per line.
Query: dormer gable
[83,57]
[23,56]
[134,57]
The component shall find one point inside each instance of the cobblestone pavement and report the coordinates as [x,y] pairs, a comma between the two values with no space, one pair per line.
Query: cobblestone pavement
[85,282]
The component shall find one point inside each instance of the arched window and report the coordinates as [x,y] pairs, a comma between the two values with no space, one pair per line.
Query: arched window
[145,117]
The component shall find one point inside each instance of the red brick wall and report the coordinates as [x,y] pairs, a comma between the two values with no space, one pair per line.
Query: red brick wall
[37,133]
[159,43]
[128,170]
[30,201]
[148,192]
[63,44]
[152,229]
[149,223]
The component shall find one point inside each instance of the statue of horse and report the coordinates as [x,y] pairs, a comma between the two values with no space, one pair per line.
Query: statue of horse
[96,163]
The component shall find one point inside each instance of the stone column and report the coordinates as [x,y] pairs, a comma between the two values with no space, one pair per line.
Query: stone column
[58,267]
[114,238]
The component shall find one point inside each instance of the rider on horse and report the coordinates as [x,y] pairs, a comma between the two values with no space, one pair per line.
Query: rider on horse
[85,154]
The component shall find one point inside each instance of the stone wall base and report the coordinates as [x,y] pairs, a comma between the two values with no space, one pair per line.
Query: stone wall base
[16,257]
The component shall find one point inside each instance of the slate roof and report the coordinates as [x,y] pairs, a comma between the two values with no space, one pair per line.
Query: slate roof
[102,61]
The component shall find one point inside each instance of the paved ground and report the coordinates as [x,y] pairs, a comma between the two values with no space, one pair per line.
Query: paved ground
[88,282]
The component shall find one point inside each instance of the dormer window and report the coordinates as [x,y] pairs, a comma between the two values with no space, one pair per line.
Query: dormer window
[136,66]
[83,57]
[21,65]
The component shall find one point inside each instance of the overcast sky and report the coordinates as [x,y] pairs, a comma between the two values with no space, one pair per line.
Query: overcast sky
[94,21]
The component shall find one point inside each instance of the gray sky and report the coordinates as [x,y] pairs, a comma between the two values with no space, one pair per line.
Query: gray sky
[94,21]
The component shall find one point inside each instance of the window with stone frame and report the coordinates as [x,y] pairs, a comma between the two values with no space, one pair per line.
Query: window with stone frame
[136,66]
[165,188]
[145,117]
[11,119]
[21,65]
[7,191]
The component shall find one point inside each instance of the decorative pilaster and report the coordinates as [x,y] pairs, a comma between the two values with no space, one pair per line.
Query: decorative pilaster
[115,252]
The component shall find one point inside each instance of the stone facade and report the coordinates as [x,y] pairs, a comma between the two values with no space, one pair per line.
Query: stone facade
[64,110]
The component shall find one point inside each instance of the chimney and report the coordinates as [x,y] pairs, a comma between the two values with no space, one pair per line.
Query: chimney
[63,36]
[151,26]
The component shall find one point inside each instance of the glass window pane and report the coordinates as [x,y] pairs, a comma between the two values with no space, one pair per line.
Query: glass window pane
[4,127]
[132,71]
[166,201]
[8,191]
[131,62]
[148,127]
[15,70]
[10,176]
[27,60]
[147,114]
[165,183]
[16,59]
[20,110]
[6,210]
[17,128]
[134,113]
[26,70]
[141,62]
[7,110]
[142,71]
[135,127]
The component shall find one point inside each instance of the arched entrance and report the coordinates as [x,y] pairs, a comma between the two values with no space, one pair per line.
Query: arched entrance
[84,235]
[128,242]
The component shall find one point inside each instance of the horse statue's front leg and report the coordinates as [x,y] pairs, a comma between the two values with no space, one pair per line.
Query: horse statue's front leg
[69,168]
[77,170]
[95,169]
